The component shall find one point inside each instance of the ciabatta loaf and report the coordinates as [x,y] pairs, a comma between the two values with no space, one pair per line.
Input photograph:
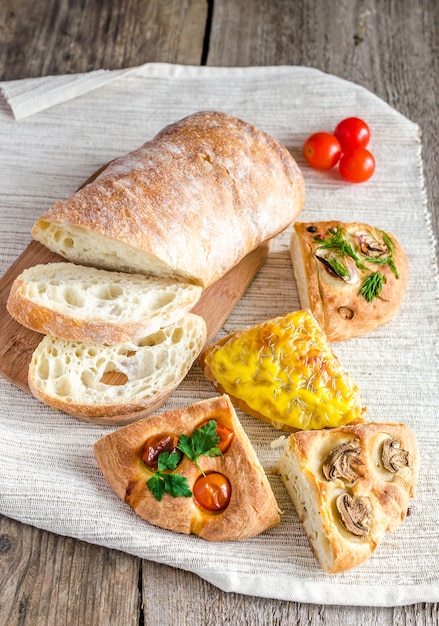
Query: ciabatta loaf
[350,486]
[97,306]
[189,204]
[77,377]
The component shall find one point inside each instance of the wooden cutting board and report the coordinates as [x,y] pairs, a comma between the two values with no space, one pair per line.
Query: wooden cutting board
[17,343]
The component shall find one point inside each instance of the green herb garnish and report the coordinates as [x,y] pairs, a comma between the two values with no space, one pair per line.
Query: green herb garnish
[203,442]
[337,241]
[372,286]
[162,482]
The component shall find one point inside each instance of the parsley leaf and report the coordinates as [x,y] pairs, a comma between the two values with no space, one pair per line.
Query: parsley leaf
[372,286]
[203,442]
[173,484]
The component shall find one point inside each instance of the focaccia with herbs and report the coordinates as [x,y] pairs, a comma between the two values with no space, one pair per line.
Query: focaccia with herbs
[188,205]
[353,277]
[284,372]
[191,470]
[350,486]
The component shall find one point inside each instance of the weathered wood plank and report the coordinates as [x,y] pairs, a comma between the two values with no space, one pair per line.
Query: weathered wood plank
[46,579]
[46,37]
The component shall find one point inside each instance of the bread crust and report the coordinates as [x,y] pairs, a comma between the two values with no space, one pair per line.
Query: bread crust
[335,303]
[252,508]
[314,495]
[189,204]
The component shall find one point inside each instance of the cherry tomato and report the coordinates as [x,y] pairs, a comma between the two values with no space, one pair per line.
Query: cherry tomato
[352,133]
[212,492]
[322,150]
[155,445]
[225,435]
[357,165]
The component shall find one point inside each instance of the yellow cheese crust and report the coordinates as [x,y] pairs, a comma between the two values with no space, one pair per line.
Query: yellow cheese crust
[283,371]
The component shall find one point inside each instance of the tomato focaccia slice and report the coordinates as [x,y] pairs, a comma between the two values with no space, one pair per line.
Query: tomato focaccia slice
[350,486]
[284,372]
[225,497]
[353,277]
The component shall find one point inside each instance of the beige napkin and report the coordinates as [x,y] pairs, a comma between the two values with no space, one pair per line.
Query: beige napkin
[48,477]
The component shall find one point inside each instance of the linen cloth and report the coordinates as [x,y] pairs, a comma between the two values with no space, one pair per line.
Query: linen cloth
[67,127]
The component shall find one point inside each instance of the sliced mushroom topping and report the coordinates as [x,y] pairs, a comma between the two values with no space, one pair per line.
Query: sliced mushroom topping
[354,513]
[344,268]
[370,246]
[340,463]
[393,457]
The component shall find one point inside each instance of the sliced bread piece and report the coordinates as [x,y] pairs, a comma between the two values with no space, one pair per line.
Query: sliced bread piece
[80,378]
[97,306]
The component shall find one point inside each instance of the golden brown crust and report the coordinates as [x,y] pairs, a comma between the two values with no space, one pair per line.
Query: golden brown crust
[387,493]
[335,303]
[252,508]
[197,198]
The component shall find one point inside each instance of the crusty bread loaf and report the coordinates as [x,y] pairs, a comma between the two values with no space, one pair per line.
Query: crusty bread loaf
[190,204]
[73,376]
[333,261]
[350,486]
[252,507]
[97,306]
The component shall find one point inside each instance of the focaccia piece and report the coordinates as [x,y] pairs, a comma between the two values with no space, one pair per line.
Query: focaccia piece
[350,486]
[242,504]
[284,372]
[188,205]
[353,277]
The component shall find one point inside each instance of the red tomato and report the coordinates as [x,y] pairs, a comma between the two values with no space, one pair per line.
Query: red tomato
[155,445]
[225,435]
[322,150]
[212,492]
[357,165]
[352,133]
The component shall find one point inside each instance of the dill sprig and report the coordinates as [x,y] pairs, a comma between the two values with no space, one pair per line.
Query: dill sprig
[372,286]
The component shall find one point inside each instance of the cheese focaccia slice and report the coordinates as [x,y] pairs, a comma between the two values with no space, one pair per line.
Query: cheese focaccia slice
[350,486]
[223,494]
[352,277]
[284,372]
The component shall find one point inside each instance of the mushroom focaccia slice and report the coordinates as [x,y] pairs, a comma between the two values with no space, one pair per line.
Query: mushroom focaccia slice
[220,494]
[350,486]
[284,372]
[187,205]
[353,277]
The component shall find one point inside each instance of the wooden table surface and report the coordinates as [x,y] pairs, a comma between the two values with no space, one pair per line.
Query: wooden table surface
[388,46]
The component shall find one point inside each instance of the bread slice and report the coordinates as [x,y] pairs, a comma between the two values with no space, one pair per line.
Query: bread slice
[79,378]
[252,507]
[350,486]
[352,276]
[189,204]
[284,372]
[97,306]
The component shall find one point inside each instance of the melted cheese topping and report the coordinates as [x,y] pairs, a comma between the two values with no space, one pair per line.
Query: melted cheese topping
[285,370]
